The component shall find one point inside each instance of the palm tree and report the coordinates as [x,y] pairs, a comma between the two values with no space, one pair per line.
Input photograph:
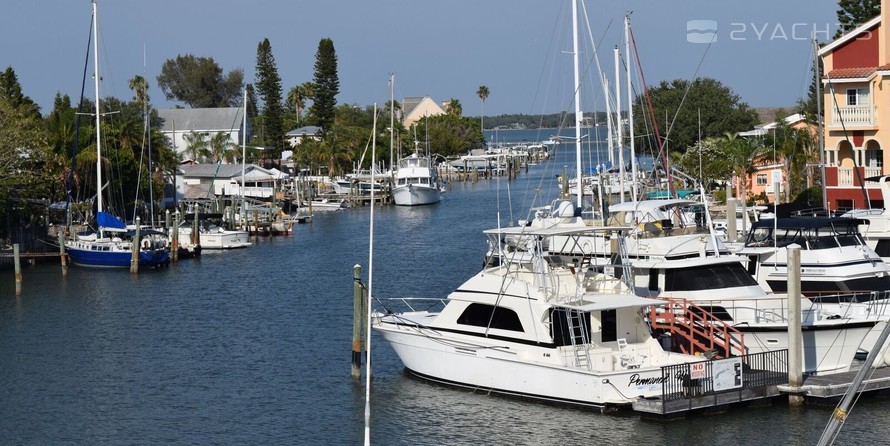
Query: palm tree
[222,148]
[742,155]
[483,93]
[196,145]
[298,95]
[453,107]
[140,90]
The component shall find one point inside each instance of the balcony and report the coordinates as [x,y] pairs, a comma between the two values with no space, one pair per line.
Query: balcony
[853,116]
[847,177]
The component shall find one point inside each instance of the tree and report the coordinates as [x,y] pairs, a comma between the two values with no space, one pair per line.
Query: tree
[199,82]
[853,13]
[483,93]
[721,109]
[195,145]
[298,96]
[140,90]
[222,149]
[453,107]
[11,89]
[743,155]
[269,87]
[449,135]
[326,86]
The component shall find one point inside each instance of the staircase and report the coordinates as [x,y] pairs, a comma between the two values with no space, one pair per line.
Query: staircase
[695,330]
[580,342]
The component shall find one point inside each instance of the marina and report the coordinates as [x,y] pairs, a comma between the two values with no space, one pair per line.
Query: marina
[209,350]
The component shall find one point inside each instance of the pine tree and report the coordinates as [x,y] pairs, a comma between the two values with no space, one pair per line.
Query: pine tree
[268,85]
[853,13]
[326,85]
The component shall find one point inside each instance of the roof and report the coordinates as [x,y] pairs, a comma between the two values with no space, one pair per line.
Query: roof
[201,119]
[648,205]
[849,36]
[851,73]
[599,302]
[222,171]
[806,222]
[557,230]
[409,104]
[307,130]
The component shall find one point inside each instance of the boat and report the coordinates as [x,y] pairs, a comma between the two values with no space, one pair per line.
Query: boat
[112,244]
[833,257]
[211,235]
[327,204]
[530,328]
[875,227]
[416,182]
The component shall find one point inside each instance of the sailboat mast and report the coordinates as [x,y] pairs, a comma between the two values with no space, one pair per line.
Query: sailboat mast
[100,207]
[243,151]
[619,133]
[392,128]
[609,139]
[630,105]
[576,63]
[818,82]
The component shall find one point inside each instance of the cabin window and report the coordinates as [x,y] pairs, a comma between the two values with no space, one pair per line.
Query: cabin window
[718,312]
[707,277]
[482,315]
[883,248]
[653,279]
[567,324]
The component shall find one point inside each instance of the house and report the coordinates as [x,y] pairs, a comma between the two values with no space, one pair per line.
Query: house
[856,86]
[296,136]
[414,109]
[200,181]
[178,122]
[770,170]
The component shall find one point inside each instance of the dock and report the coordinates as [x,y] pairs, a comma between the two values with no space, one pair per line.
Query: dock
[753,383]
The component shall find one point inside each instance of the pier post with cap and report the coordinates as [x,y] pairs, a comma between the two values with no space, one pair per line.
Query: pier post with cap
[357,321]
[64,259]
[134,257]
[18,269]
[795,337]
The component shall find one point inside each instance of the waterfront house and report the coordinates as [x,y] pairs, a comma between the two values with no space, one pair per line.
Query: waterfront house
[856,88]
[201,181]
[770,168]
[416,108]
[296,136]
[178,122]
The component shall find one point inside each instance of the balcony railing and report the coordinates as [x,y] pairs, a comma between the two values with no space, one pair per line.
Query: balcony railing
[846,176]
[853,116]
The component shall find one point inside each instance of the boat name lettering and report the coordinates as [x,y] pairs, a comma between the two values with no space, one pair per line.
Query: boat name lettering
[636,380]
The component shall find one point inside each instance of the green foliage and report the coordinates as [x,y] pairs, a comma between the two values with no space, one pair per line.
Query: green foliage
[705,161]
[448,135]
[326,86]
[24,149]
[721,109]
[453,107]
[199,82]
[853,13]
[269,87]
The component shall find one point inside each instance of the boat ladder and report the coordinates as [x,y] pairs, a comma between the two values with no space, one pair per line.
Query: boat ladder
[579,336]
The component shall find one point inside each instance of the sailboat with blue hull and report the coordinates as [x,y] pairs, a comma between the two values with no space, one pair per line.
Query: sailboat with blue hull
[112,245]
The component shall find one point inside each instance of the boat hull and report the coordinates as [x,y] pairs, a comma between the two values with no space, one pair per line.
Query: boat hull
[515,371]
[117,259]
[412,195]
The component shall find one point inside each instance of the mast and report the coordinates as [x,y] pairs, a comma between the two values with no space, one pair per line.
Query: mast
[576,63]
[619,133]
[818,81]
[630,105]
[100,207]
[609,121]
[243,152]
[392,128]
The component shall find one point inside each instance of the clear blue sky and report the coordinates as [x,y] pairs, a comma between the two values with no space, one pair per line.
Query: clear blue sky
[444,49]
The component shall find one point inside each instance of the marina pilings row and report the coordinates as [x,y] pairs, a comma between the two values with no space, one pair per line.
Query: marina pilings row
[358,318]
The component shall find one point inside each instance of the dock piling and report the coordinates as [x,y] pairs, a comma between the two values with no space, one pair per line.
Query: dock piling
[134,257]
[795,336]
[64,259]
[18,269]
[357,321]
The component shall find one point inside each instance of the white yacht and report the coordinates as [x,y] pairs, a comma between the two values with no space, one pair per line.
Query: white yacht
[529,328]
[212,236]
[416,182]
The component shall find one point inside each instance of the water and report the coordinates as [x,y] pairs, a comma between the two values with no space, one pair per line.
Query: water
[253,347]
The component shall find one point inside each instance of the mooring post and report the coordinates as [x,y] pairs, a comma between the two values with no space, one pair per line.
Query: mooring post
[64,260]
[18,269]
[134,258]
[357,321]
[731,229]
[795,337]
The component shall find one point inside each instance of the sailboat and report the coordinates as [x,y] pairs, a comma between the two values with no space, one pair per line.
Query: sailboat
[113,243]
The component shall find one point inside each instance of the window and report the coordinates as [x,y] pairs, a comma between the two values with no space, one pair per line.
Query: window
[874,157]
[761,179]
[709,277]
[481,315]
[560,330]
[857,96]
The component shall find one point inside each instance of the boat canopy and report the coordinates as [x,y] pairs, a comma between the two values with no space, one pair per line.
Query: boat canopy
[807,222]
[600,302]
[555,231]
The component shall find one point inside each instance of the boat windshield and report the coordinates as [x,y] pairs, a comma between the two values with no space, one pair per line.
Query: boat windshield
[707,277]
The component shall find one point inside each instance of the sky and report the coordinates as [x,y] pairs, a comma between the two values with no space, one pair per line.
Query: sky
[519,49]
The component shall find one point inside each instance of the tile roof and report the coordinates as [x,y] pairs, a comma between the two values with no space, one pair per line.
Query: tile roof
[847,73]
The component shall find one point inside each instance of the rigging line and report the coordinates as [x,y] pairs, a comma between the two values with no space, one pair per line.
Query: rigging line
[80,106]
[847,138]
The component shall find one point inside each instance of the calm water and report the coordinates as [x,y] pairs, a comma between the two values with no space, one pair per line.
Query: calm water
[253,347]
